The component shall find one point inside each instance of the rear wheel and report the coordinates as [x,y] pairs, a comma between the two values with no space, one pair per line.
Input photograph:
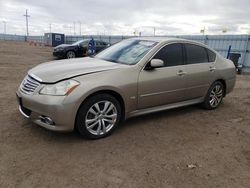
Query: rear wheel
[98,116]
[214,96]
[71,54]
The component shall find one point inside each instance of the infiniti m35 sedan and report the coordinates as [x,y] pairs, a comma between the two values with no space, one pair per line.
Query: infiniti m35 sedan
[133,77]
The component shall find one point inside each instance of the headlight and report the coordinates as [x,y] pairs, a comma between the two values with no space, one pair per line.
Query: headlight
[59,89]
[58,49]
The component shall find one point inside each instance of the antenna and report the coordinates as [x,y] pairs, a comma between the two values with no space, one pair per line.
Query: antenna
[27,22]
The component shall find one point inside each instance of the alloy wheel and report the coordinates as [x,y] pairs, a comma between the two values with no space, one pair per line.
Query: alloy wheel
[101,118]
[70,55]
[216,96]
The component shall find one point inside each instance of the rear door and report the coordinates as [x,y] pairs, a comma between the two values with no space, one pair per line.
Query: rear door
[98,46]
[163,85]
[200,67]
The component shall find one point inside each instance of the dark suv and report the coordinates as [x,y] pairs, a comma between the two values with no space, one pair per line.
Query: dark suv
[80,48]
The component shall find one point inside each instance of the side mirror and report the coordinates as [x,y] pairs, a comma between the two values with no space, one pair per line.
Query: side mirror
[155,63]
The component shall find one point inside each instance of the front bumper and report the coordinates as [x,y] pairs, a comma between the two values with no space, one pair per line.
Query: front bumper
[37,107]
[59,53]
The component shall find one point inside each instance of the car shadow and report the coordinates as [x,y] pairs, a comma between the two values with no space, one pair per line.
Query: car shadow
[136,122]
[171,113]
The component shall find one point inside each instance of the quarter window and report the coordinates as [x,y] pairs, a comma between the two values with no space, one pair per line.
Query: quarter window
[171,55]
[211,56]
[196,54]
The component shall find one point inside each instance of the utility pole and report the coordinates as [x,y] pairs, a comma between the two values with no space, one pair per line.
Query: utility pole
[154,31]
[134,32]
[4,27]
[80,28]
[4,30]
[27,22]
[50,27]
[70,28]
[74,28]
[203,30]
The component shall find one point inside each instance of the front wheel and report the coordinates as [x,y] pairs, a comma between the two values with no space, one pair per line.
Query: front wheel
[71,54]
[214,96]
[98,116]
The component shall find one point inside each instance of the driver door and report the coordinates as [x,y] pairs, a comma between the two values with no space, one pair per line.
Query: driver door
[165,85]
[83,48]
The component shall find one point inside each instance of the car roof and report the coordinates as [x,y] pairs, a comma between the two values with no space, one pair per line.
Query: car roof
[167,39]
[171,39]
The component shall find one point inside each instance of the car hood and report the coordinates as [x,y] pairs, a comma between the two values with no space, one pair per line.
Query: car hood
[55,71]
[63,46]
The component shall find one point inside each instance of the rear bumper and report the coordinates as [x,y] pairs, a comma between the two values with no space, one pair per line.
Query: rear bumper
[37,108]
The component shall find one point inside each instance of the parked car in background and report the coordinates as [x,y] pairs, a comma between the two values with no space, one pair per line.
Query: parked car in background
[133,77]
[79,48]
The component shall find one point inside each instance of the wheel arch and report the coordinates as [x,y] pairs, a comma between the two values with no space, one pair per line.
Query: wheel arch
[72,50]
[113,93]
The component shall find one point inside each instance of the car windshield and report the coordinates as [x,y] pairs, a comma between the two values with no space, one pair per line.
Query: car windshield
[127,52]
[81,42]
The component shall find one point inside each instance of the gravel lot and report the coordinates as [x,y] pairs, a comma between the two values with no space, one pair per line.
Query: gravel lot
[149,151]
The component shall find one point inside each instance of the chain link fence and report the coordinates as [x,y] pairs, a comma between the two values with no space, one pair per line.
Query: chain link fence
[239,43]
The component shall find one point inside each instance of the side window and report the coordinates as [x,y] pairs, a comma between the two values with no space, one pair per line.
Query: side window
[211,55]
[98,43]
[84,44]
[196,54]
[171,55]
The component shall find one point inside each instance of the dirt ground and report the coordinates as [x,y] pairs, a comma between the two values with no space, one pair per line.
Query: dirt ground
[149,151]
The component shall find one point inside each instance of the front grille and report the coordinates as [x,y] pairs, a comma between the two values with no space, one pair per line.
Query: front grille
[29,85]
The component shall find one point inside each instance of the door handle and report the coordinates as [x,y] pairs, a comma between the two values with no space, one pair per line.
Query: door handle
[181,73]
[212,69]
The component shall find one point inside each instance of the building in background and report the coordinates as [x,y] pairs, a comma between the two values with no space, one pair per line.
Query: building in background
[53,39]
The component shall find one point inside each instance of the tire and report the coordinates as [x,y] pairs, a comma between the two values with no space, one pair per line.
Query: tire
[239,71]
[214,96]
[94,123]
[70,54]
